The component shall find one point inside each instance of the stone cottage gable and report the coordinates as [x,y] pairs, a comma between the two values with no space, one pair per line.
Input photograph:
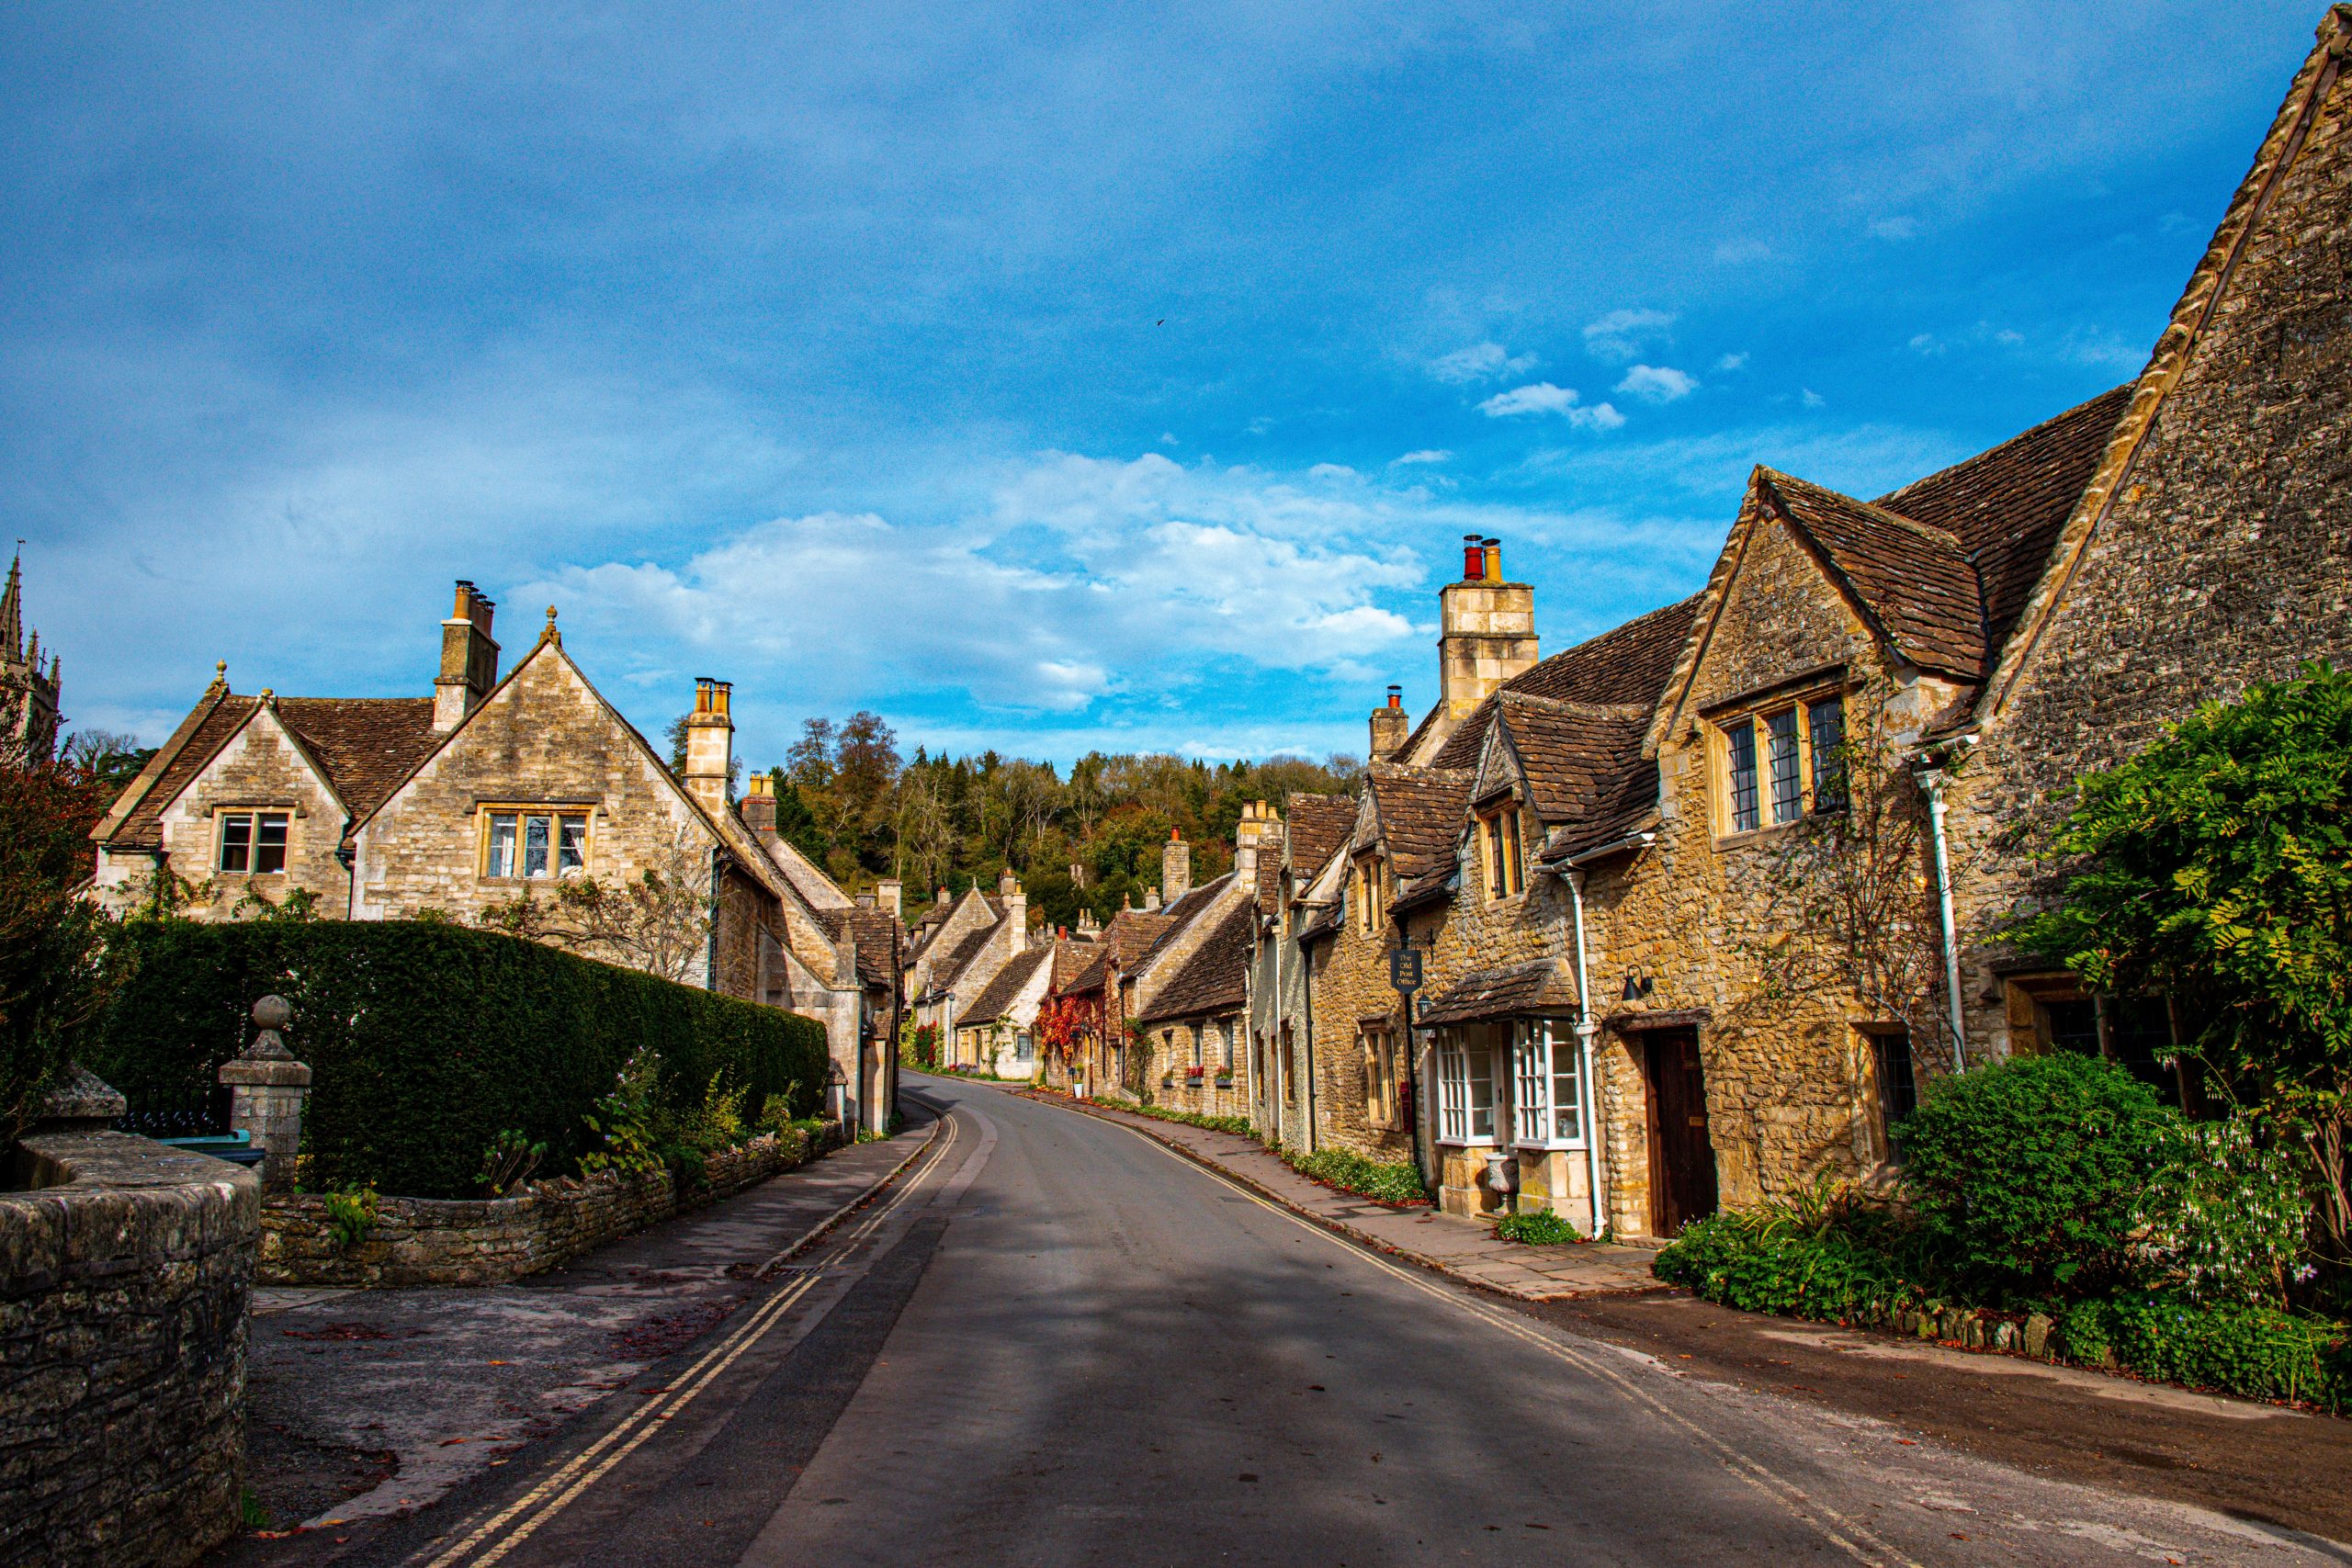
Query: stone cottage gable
[543,737]
[2212,546]
[1584,773]
[1414,818]
[1214,980]
[1014,992]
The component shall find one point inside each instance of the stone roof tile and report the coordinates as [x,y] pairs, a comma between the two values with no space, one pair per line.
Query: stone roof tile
[1215,978]
[997,1000]
[1915,580]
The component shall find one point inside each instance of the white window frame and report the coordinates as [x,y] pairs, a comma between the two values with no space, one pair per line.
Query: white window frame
[1458,1107]
[1544,1050]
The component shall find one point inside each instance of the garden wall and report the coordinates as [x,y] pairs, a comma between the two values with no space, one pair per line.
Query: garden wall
[126,1272]
[423,1241]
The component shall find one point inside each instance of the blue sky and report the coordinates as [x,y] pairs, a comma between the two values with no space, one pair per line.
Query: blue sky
[1045,377]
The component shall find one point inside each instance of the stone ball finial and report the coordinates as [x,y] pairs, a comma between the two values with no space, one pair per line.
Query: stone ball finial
[273,1012]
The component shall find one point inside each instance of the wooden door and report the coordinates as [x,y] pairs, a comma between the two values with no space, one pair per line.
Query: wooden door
[1682,1157]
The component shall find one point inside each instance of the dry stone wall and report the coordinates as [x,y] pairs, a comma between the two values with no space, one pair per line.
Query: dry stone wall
[126,1274]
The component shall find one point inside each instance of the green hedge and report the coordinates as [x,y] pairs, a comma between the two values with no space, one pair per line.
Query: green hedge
[427,1039]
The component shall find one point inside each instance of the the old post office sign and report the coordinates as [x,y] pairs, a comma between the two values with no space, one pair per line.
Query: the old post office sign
[1404,969]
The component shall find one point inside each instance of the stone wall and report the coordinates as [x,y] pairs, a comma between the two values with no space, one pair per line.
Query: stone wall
[422,1241]
[1351,988]
[126,1272]
[2223,556]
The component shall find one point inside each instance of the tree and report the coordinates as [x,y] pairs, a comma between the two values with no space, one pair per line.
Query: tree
[2216,866]
[56,970]
[659,922]
[111,759]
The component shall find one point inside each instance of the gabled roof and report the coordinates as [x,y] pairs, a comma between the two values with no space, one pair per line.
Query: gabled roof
[2007,504]
[1415,814]
[950,968]
[1914,583]
[1182,913]
[1626,667]
[880,941]
[1535,986]
[1319,826]
[1071,958]
[362,746]
[1216,978]
[1003,991]
[1573,755]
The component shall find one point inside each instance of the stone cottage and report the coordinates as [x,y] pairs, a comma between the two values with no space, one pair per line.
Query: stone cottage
[996,1034]
[485,802]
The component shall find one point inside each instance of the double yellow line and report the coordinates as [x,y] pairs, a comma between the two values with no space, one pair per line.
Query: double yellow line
[1848,1535]
[556,1491]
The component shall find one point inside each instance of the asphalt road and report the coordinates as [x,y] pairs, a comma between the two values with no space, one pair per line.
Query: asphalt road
[1053,1342]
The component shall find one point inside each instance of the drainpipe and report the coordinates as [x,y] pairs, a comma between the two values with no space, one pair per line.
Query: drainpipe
[1586,1030]
[710,961]
[1307,1016]
[1933,780]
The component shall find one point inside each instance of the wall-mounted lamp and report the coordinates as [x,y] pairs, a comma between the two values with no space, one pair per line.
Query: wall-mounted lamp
[1637,986]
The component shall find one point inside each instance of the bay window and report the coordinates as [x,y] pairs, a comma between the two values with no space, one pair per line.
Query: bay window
[1548,1085]
[1465,1085]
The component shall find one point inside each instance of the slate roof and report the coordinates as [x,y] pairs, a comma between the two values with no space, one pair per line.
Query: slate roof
[997,1000]
[1626,667]
[1537,986]
[1913,579]
[1417,811]
[1182,913]
[1215,978]
[1319,824]
[1070,960]
[2007,504]
[880,941]
[951,968]
[365,746]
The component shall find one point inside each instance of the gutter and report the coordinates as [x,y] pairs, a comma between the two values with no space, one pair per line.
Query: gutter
[1637,840]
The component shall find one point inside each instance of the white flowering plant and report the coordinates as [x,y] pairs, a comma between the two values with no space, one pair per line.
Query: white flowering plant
[2222,1218]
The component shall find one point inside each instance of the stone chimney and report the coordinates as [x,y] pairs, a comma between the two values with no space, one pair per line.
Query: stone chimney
[1260,831]
[1150,899]
[1077,875]
[942,899]
[1016,909]
[758,806]
[1490,629]
[710,742]
[1175,867]
[891,893]
[1389,728]
[469,659]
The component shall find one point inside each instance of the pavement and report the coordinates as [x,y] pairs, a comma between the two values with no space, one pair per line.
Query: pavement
[371,1403]
[1451,1244]
[1055,1341]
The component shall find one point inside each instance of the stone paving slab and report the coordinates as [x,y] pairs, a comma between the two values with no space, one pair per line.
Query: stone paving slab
[398,1395]
[1449,1244]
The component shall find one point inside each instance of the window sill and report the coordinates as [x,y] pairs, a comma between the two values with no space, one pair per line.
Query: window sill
[1748,836]
[1467,1144]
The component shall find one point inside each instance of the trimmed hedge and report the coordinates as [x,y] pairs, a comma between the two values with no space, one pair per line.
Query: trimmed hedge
[428,1039]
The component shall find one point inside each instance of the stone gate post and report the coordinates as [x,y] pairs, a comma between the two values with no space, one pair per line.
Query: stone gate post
[267,1089]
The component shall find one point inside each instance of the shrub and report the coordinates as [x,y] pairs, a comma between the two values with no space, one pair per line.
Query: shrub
[2257,1351]
[2224,1217]
[1539,1227]
[2027,1175]
[1781,1260]
[351,1215]
[56,971]
[1345,1168]
[428,1039]
[1237,1126]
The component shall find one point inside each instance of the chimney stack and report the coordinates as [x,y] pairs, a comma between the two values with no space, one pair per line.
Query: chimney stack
[710,742]
[890,892]
[1259,832]
[1150,900]
[469,659]
[1016,909]
[1489,630]
[1175,867]
[942,899]
[758,806]
[1389,729]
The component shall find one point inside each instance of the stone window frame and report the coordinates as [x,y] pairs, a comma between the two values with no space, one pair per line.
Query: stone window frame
[255,813]
[556,811]
[1501,846]
[1886,1096]
[1756,717]
[1383,1098]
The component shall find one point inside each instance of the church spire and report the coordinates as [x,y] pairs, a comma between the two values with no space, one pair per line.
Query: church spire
[12,612]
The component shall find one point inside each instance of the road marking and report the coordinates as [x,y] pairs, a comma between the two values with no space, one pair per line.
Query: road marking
[1863,1546]
[647,1420]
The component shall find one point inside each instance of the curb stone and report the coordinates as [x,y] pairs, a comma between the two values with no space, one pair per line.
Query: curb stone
[813,1234]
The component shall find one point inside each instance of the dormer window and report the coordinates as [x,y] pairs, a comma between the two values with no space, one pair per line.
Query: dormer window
[1499,840]
[1776,764]
[1364,894]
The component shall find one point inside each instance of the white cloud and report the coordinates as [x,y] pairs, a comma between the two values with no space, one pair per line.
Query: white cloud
[1541,396]
[1897,228]
[1731,362]
[1732,252]
[1427,455]
[1622,334]
[1925,342]
[1812,399]
[1656,384]
[1479,362]
[2008,337]
[1167,438]
[1332,471]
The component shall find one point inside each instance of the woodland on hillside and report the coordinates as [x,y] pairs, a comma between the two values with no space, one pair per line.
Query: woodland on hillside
[847,799]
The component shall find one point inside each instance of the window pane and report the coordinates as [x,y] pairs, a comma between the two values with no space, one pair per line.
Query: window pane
[1743,777]
[269,842]
[572,846]
[236,842]
[1497,873]
[535,846]
[1529,1114]
[1196,1045]
[1481,1086]
[2140,1028]
[1787,799]
[502,845]
[1827,720]
[1899,1091]
[1517,853]
[1567,1086]
[2073,1026]
[1453,1093]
